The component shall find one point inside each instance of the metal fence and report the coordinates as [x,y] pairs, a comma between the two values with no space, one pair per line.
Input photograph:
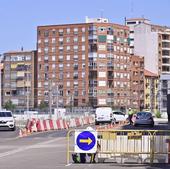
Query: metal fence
[129,146]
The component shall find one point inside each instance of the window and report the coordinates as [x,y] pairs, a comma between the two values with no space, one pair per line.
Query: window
[68,39]
[68,57]
[68,48]
[83,38]
[53,40]
[53,66]
[83,57]
[102,38]
[83,48]
[68,84]
[75,39]
[53,49]
[68,30]
[53,58]
[83,29]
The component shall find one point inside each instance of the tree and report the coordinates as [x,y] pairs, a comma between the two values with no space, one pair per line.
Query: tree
[9,105]
[43,105]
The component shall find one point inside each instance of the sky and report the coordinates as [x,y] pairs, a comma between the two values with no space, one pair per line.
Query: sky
[19,18]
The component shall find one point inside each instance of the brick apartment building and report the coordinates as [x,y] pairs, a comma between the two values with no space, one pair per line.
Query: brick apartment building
[19,78]
[87,64]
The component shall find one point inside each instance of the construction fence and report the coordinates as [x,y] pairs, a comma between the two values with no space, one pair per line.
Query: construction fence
[128,146]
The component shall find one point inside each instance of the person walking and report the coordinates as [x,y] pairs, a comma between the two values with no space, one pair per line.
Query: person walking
[130,114]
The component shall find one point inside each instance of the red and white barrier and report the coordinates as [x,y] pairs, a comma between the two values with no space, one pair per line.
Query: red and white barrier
[39,125]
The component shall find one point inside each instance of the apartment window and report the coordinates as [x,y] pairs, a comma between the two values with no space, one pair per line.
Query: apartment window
[68,39]
[53,40]
[83,57]
[68,57]
[68,30]
[46,49]
[68,65]
[53,66]
[53,49]
[53,32]
[83,74]
[60,58]
[83,47]
[83,29]
[39,50]
[60,39]
[83,38]
[27,58]
[68,48]
[46,40]
[68,75]
[68,84]
[53,58]
[75,30]
[102,38]
[75,57]
[83,65]
[61,76]
[46,33]
[60,32]
[75,39]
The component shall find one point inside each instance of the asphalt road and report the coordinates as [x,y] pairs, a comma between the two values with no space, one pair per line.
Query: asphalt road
[46,151]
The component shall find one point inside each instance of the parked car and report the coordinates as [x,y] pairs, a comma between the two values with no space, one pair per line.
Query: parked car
[143,118]
[7,120]
[103,115]
[119,116]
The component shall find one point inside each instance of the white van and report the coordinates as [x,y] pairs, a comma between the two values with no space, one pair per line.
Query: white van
[7,120]
[103,115]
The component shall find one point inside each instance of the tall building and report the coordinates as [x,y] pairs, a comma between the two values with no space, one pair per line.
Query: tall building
[153,42]
[86,64]
[19,79]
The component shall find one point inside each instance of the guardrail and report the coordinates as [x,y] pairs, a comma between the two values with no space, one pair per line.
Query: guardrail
[123,146]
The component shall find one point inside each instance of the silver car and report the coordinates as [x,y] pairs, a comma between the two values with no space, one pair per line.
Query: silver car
[143,118]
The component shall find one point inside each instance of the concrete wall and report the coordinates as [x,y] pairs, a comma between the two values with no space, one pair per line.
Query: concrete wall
[146,44]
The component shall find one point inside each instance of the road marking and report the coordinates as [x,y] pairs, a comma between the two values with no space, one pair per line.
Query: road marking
[21,149]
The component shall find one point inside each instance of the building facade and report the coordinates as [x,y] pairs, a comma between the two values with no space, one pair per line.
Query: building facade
[137,82]
[19,79]
[84,64]
[151,91]
[153,42]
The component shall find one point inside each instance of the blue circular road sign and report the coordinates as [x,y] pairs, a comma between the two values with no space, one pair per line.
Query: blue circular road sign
[86,140]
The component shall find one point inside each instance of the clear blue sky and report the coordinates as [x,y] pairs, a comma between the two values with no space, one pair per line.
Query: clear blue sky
[20,18]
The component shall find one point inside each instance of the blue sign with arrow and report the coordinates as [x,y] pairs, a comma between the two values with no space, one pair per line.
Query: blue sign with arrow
[86,140]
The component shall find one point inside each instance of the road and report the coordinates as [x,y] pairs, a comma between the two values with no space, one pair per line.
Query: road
[46,151]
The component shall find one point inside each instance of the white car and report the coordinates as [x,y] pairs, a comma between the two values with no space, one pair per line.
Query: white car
[103,115]
[7,120]
[119,116]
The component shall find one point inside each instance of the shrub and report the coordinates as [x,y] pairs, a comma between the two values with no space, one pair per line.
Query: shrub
[158,114]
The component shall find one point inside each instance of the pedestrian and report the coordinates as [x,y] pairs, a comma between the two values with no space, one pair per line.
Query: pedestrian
[130,113]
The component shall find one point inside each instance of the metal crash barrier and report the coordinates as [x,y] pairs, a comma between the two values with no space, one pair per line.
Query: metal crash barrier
[127,146]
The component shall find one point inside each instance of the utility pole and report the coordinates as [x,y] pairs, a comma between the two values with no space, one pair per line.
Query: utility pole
[50,99]
[57,97]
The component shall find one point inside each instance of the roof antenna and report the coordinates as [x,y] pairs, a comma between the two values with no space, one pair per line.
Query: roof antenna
[22,48]
[131,8]
[101,13]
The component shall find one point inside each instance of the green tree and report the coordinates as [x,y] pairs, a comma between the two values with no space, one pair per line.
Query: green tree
[43,105]
[9,105]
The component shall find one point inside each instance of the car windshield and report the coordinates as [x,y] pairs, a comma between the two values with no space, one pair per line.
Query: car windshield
[5,114]
[144,114]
